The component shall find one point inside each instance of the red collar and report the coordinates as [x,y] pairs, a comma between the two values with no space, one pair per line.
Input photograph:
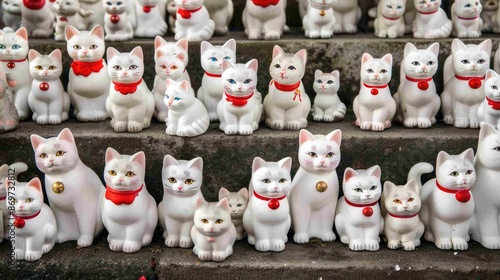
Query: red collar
[472,18]
[401,216]
[187,13]
[82,68]
[238,101]
[127,88]
[288,88]
[391,18]
[12,63]
[367,208]
[121,197]
[460,195]
[374,88]
[474,82]
[265,3]
[428,13]
[273,202]
[213,75]
[493,104]
[464,78]
[3,197]
[147,9]
[423,84]
[34,4]
[20,221]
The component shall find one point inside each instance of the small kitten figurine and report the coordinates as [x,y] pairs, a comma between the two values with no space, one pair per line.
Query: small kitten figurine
[390,21]
[287,105]
[97,18]
[186,114]
[35,227]
[374,107]
[264,19]
[221,12]
[267,218]
[11,13]
[447,204]
[193,21]
[48,100]
[211,90]
[417,102]
[240,109]
[13,51]
[73,189]
[117,21]
[358,219]
[89,82]
[403,228]
[431,20]
[9,117]
[489,110]
[37,17]
[327,106]
[68,12]
[319,20]
[150,22]
[315,186]
[347,14]
[213,233]
[128,210]
[238,202]
[463,75]
[182,182]
[7,171]
[130,104]
[488,15]
[172,49]
[485,227]
[466,20]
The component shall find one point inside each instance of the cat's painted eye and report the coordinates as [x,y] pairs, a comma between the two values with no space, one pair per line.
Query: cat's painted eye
[52,67]
[481,61]
[465,61]
[167,96]
[282,180]
[130,174]
[369,70]
[454,174]
[15,200]
[383,71]
[277,66]
[163,66]
[239,205]
[133,67]
[39,67]
[430,63]
[205,221]
[329,82]
[329,155]
[219,221]
[469,172]
[172,180]
[422,2]
[358,190]
[108,3]
[399,7]
[467,5]
[319,81]
[76,47]
[389,6]
[247,81]
[173,67]
[112,173]
[29,200]
[189,181]
[415,63]
[312,154]
[397,201]
[60,153]
[266,181]
[497,149]
[68,3]
[2,47]
[93,47]
[373,188]
[231,81]
[230,205]
[177,98]
[494,87]
[15,47]
[227,58]
[117,67]
[119,3]
[43,155]
[213,59]
[291,67]
[410,199]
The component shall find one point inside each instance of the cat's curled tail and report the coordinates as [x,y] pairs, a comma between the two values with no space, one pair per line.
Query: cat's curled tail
[417,170]
[197,127]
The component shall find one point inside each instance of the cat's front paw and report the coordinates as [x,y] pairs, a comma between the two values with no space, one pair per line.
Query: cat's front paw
[410,122]
[171,130]
[213,117]
[376,126]
[393,244]
[416,242]
[146,239]
[135,126]
[318,118]
[185,242]
[254,35]
[240,236]
[262,245]
[444,244]
[351,28]
[314,34]
[408,246]
[301,238]
[131,246]
[372,245]
[491,242]
[448,119]
[277,245]
[474,123]
[357,245]
[365,125]
[424,123]
[251,240]
[33,255]
[42,119]
[23,115]
[120,126]
[204,255]
[172,241]
[272,35]
[86,116]
[461,123]
[429,236]
[47,247]
[459,244]
[85,240]
[275,124]
[293,125]
[116,245]
[328,236]
[162,116]
[55,119]
[245,129]
[326,34]
[231,129]
[218,256]
[344,239]
[19,254]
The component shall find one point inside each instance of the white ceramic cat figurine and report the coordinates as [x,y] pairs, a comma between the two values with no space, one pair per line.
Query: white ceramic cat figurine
[390,21]
[182,182]
[315,186]
[488,15]
[409,16]
[347,14]
[485,225]
[319,20]
[267,218]
[211,89]
[11,13]
[402,225]
[417,102]
[240,109]
[221,12]
[69,12]
[9,173]
[117,21]
[9,117]
[128,210]
[88,82]
[238,203]
[97,18]
[48,100]
[13,51]
[35,227]
[465,15]
[172,15]
[166,67]
[447,204]
[264,19]
[186,114]
[431,20]
[193,21]
[374,107]
[489,110]
[73,189]
[463,75]
[327,106]
[172,49]
[150,22]
[130,103]
[358,219]
[37,17]
[213,233]
[287,105]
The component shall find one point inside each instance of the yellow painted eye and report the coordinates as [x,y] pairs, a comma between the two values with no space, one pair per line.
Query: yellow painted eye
[173,67]
[163,66]
[38,67]
[130,174]
[205,221]
[411,199]
[454,174]
[43,155]
[189,181]
[219,221]
[29,200]
[76,47]
[397,201]
[112,173]
[312,154]
[329,155]
[172,180]
[60,153]
[52,67]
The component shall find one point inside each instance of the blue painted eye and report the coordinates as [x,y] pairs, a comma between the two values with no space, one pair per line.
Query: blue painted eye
[16,46]
[369,70]
[213,59]
[119,3]
[227,58]
[177,98]
[2,47]
[108,3]
[329,82]
[400,7]
[247,81]
[166,96]
[389,6]
[467,5]
[231,81]
[319,81]
[291,67]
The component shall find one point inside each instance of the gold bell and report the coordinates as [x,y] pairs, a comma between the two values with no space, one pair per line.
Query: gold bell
[321,186]
[322,13]
[58,187]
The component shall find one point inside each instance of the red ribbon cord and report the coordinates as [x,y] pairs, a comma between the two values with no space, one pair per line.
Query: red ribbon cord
[273,202]
[462,195]
[82,68]
[186,14]
[127,88]
[121,197]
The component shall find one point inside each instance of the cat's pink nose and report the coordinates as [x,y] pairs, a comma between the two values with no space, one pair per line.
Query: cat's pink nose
[180,188]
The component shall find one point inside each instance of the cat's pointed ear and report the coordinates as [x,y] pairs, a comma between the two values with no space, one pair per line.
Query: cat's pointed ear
[56,54]
[349,173]
[33,54]
[317,73]
[137,51]
[491,74]
[388,187]
[366,57]
[375,171]
[485,131]
[277,50]
[185,85]
[70,32]
[243,192]
[434,48]
[36,183]
[199,202]
[286,163]
[441,158]
[457,45]
[387,58]
[226,65]
[336,74]
[413,186]
[159,41]
[223,192]
[159,53]
[409,48]
[169,160]
[335,136]
[252,64]
[98,31]
[486,46]
[139,157]
[305,136]
[36,141]
[23,33]
[258,163]
[4,170]
[111,154]
[230,44]
[468,154]
[66,135]
[302,55]
[205,46]
[224,204]
[181,56]
[196,163]
[183,43]
[111,52]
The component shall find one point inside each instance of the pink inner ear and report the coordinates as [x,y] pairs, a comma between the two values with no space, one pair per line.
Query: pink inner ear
[277,50]
[199,202]
[70,31]
[111,154]
[183,43]
[223,203]
[137,51]
[169,160]
[36,141]
[98,31]
[305,136]
[139,157]
[159,41]
[349,174]
[23,33]
[36,183]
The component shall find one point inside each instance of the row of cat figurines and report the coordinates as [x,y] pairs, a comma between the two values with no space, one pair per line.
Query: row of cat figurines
[458,205]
